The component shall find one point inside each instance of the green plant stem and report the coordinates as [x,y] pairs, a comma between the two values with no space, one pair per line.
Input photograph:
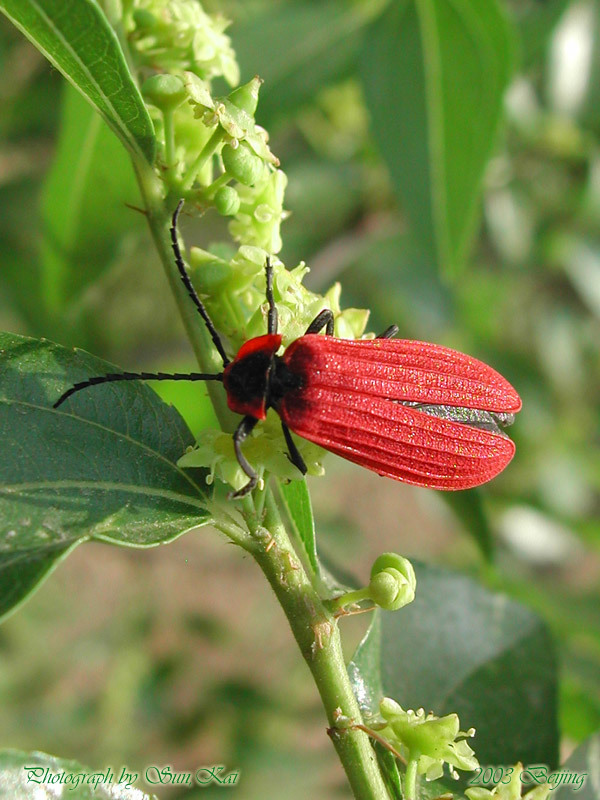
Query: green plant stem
[222,180]
[206,152]
[158,214]
[169,123]
[355,596]
[410,779]
[317,635]
[312,624]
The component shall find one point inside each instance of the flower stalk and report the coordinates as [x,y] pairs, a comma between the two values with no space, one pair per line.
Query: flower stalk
[410,779]
[312,623]
[207,151]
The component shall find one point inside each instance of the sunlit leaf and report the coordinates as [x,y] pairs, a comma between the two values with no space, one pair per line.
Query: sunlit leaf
[76,37]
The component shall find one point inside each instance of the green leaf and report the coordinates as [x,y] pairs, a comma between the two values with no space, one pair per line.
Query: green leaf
[390,771]
[191,400]
[296,499]
[309,46]
[434,74]
[460,648]
[579,696]
[83,226]
[102,466]
[581,773]
[28,776]
[297,502]
[77,39]
[365,667]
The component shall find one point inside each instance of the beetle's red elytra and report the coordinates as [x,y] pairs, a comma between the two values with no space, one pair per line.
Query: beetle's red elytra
[413,411]
[370,400]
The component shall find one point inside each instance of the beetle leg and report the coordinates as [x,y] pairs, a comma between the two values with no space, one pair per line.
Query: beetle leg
[323,320]
[389,333]
[272,318]
[242,431]
[293,453]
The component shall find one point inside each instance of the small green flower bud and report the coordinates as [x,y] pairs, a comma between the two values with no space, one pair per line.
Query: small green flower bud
[215,450]
[384,590]
[351,323]
[227,201]
[242,164]
[393,582]
[179,35]
[164,91]
[144,18]
[210,272]
[268,194]
[246,96]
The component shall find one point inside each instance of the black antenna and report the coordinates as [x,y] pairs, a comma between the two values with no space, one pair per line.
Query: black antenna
[190,289]
[272,318]
[113,377]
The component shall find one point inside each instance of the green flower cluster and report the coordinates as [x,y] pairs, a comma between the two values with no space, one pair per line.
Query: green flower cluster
[256,202]
[213,152]
[240,282]
[428,740]
[215,156]
[179,35]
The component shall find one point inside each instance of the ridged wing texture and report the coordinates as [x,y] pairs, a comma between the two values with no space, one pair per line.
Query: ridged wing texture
[348,404]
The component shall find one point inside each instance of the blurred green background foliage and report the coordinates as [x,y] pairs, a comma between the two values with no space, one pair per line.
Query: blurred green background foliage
[180,656]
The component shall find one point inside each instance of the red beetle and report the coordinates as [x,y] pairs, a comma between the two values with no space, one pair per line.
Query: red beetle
[413,411]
